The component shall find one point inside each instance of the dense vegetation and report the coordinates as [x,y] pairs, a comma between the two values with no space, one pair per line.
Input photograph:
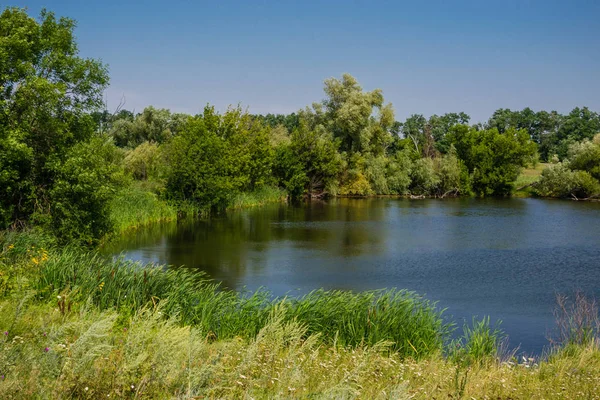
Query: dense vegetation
[75,324]
[65,161]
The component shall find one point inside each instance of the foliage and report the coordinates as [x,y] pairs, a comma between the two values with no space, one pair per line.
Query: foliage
[46,92]
[347,114]
[289,122]
[423,176]
[558,180]
[493,159]
[309,163]
[151,125]
[585,156]
[217,156]
[84,185]
[398,172]
[145,162]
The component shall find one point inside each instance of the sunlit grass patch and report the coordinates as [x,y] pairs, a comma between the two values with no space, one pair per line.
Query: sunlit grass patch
[262,196]
[528,176]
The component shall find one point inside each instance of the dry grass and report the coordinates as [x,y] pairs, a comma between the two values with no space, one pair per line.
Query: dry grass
[93,354]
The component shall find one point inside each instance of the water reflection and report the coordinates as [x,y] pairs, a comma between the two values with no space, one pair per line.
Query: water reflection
[500,257]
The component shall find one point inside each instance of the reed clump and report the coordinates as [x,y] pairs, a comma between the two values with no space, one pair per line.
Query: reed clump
[258,197]
[413,324]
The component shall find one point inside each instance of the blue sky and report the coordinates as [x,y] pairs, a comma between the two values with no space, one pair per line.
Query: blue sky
[272,56]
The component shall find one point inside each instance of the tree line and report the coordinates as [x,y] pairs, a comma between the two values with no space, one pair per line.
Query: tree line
[63,155]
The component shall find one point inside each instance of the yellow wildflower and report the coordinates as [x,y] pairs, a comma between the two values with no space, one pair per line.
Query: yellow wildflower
[101,286]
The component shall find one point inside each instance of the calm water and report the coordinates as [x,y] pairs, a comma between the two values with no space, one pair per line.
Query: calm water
[504,258]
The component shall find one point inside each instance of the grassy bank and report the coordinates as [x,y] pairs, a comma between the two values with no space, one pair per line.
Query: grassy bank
[76,325]
[259,197]
[528,177]
[138,205]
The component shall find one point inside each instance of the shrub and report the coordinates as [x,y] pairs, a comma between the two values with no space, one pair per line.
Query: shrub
[585,156]
[398,173]
[558,180]
[85,183]
[375,172]
[145,162]
[424,178]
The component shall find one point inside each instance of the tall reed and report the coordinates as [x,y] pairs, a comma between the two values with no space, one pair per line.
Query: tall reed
[413,324]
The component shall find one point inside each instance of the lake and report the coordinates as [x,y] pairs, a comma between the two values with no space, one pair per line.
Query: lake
[506,258]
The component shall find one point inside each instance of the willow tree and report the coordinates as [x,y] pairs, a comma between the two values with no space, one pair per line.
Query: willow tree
[359,119]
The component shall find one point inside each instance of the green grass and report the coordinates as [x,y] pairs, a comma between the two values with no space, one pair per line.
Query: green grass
[137,206]
[528,177]
[259,197]
[413,324]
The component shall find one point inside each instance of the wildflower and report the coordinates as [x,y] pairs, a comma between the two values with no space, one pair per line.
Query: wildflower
[59,297]
[5,333]
[132,387]
[35,260]
[101,286]
[47,349]
[11,246]
[86,389]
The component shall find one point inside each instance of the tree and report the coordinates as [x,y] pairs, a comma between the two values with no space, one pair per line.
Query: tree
[493,159]
[216,156]
[309,164]
[201,165]
[83,186]
[151,125]
[360,120]
[46,94]
[429,135]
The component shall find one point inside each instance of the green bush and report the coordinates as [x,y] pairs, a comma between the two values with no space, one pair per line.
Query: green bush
[424,178]
[375,172]
[145,162]
[558,180]
[398,173]
[585,156]
[493,159]
[84,185]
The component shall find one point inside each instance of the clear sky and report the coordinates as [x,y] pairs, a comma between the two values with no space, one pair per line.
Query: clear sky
[272,56]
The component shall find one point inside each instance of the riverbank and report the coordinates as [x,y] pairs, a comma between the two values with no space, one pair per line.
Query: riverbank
[138,205]
[77,325]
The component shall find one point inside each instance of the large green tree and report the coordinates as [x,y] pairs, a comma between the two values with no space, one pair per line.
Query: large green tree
[360,120]
[216,156]
[46,93]
[493,159]
[309,164]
